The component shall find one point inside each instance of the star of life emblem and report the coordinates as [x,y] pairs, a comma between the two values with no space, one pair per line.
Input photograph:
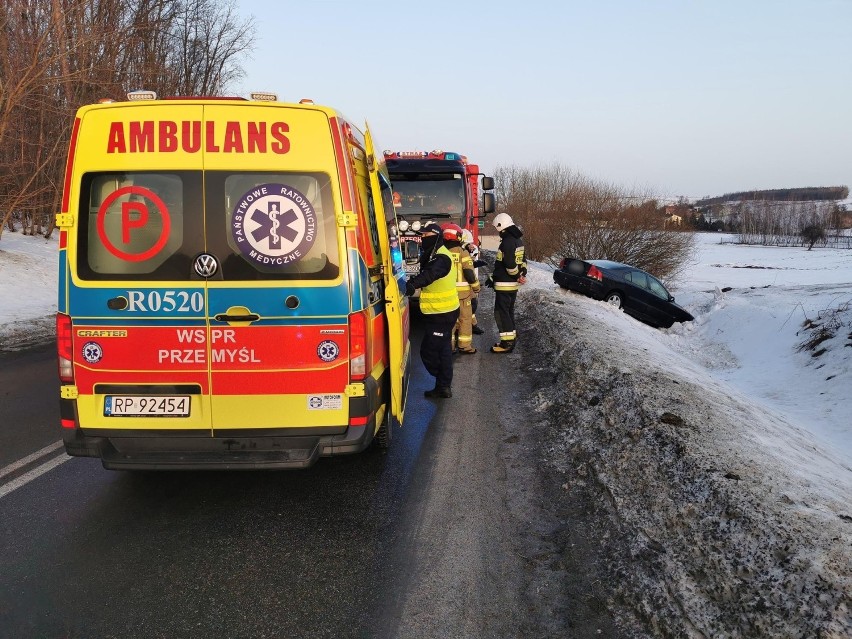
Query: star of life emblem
[328,351]
[274,225]
[92,352]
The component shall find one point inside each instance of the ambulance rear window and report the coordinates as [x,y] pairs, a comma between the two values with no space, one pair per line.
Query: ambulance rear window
[257,225]
[272,225]
[139,225]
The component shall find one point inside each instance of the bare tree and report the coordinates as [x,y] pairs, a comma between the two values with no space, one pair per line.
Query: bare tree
[56,55]
[207,38]
[566,214]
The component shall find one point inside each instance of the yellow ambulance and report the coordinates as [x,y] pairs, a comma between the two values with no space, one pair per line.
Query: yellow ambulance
[231,286]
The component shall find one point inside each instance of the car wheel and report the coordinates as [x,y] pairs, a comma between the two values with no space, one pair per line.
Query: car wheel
[614,298]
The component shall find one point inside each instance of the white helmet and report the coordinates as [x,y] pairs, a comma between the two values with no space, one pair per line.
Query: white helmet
[502,221]
[467,236]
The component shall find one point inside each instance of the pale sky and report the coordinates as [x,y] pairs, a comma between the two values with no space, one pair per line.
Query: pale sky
[678,97]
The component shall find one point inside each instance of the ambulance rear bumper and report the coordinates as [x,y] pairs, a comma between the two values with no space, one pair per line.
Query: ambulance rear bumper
[246,449]
[127,450]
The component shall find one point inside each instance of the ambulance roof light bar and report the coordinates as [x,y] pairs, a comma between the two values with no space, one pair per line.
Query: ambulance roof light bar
[138,96]
[437,153]
[264,96]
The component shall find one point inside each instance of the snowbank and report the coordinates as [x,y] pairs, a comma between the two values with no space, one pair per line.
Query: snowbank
[727,519]
[28,286]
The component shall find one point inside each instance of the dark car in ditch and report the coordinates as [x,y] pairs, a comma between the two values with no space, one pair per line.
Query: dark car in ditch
[639,293]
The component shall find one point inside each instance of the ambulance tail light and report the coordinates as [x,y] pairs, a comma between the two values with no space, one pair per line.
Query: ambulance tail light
[358,346]
[64,348]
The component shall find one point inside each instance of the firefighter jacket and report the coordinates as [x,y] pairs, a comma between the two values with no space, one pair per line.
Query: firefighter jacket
[437,281]
[510,263]
[466,281]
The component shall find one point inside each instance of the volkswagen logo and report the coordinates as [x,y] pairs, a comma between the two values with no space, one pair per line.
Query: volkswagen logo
[206,265]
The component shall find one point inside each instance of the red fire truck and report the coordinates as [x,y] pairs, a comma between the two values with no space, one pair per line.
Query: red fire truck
[435,186]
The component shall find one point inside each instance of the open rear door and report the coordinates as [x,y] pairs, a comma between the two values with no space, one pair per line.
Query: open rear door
[396,304]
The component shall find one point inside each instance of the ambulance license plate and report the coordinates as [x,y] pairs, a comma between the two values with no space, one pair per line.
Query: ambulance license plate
[146,406]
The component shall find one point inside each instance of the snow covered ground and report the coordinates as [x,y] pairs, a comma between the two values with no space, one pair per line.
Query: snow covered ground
[721,454]
[749,303]
[28,289]
[723,444]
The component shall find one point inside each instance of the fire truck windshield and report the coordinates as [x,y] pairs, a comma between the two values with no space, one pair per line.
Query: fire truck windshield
[428,195]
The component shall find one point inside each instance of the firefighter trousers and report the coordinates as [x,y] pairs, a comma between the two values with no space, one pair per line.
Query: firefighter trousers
[463,331]
[436,350]
[504,314]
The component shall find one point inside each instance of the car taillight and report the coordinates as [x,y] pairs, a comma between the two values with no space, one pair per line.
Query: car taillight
[358,347]
[563,262]
[64,347]
[595,273]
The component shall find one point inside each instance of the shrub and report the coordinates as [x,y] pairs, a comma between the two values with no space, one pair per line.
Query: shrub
[812,234]
[563,213]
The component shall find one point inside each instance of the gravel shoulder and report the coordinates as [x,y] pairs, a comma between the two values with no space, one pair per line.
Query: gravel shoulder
[490,544]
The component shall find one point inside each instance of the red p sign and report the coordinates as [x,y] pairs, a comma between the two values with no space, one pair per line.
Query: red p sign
[127,222]
[135,215]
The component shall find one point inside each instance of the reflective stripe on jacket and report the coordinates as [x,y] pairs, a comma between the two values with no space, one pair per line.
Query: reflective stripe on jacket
[466,280]
[510,262]
[440,296]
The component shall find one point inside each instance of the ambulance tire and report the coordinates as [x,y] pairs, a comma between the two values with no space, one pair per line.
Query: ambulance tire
[385,432]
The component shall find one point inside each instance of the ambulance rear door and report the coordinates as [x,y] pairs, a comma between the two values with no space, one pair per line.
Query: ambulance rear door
[137,310]
[278,304]
[396,303]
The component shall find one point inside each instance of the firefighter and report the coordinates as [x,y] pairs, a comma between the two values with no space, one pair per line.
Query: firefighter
[473,249]
[510,271]
[466,286]
[439,305]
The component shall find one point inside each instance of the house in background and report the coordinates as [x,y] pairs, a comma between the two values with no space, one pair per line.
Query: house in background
[673,215]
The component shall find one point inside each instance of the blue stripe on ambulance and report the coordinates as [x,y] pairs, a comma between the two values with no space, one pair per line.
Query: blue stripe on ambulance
[360,278]
[188,305]
[62,306]
[313,301]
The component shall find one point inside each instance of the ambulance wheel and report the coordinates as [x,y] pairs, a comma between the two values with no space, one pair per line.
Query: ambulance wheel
[385,433]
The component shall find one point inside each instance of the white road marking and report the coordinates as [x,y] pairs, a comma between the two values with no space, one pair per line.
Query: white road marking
[11,468]
[36,472]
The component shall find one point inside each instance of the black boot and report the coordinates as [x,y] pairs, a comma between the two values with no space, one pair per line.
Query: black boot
[438,392]
[503,347]
[477,330]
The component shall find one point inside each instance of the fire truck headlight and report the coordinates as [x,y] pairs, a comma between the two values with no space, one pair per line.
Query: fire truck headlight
[415,226]
[403,225]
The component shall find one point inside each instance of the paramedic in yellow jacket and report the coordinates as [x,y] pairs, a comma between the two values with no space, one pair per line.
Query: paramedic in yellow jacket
[439,305]
[466,286]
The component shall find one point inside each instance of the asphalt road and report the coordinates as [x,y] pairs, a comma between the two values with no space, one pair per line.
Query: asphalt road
[448,534]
